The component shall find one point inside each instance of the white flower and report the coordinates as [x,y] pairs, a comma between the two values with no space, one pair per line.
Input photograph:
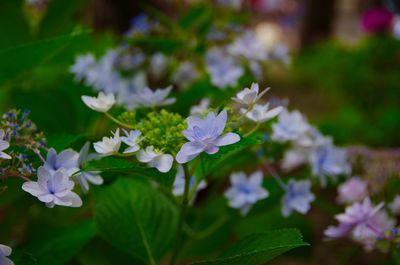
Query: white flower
[86,177]
[244,191]
[3,146]
[5,251]
[262,113]
[53,188]
[149,98]
[179,183]
[101,103]
[294,158]
[158,65]
[249,96]
[132,139]
[201,108]
[395,205]
[290,126]
[108,145]
[185,74]
[163,162]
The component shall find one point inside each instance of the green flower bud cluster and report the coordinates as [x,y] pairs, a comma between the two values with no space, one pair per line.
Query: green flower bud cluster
[162,130]
[128,117]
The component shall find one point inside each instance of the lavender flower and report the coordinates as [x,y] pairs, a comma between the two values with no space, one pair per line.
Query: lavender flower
[83,64]
[86,177]
[149,98]
[290,126]
[294,158]
[132,140]
[222,68]
[67,159]
[354,189]
[297,197]
[5,251]
[249,47]
[362,222]
[328,160]
[245,191]
[205,136]
[53,188]
[185,74]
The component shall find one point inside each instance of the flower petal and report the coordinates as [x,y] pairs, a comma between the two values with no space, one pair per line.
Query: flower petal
[227,139]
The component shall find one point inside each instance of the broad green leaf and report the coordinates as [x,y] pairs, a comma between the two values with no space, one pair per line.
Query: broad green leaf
[259,248]
[136,218]
[61,247]
[113,164]
[210,162]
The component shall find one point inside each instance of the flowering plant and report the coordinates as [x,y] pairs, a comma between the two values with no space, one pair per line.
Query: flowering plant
[183,157]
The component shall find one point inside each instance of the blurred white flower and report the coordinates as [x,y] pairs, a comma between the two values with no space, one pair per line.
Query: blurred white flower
[249,96]
[163,162]
[395,205]
[108,145]
[101,103]
[3,146]
[185,74]
[201,108]
[249,46]
[5,251]
[262,113]
[158,65]
[179,183]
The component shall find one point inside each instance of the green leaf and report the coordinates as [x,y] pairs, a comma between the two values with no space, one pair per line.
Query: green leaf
[113,164]
[61,247]
[211,162]
[136,218]
[63,141]
[15,61]
[259,248]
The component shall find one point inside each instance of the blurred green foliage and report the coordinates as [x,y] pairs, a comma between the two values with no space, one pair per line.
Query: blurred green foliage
[363,82]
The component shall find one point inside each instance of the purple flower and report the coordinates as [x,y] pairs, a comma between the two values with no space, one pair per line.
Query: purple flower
[362,222]
[297,197]
[67,159]
[354,189]
[205,136]
[395,205]
[245,191]
[53,188]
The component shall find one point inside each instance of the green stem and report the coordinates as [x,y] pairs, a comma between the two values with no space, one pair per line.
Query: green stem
[252,130]
[118,121]
[181,221]
[207,232]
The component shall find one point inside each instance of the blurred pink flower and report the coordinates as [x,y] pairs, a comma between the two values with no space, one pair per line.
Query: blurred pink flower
[354,189]
[377,19]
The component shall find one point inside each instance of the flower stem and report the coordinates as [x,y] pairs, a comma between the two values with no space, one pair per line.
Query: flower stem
[181,221]
[253,130]
[118,121]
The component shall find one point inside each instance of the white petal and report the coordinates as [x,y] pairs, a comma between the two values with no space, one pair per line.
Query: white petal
[227,139]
